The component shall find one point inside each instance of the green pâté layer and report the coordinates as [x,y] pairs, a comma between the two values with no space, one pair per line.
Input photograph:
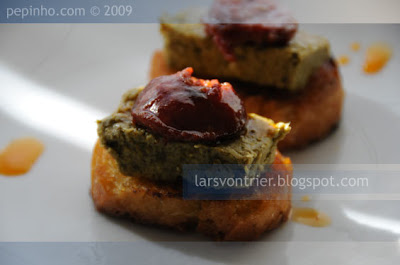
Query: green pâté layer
[287,67]
[141,153]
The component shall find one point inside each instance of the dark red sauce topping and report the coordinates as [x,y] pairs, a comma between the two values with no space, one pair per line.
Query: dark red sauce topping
[235,22]
[183,108]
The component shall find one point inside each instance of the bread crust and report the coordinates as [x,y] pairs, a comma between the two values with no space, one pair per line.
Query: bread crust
[313,112]
[151,202]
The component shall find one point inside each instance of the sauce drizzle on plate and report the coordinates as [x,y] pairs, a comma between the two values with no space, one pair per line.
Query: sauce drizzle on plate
[376,58]
[355,46]
[310,217]
[343,60]
[19,156]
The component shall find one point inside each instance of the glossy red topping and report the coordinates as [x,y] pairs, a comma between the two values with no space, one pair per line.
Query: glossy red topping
[183,108]
[235,22]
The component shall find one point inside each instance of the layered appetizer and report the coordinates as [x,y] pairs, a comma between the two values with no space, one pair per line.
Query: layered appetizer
[175,120]
[278,71]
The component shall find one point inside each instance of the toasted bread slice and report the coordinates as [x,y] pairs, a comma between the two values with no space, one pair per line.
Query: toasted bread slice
[151,202]
[313,112]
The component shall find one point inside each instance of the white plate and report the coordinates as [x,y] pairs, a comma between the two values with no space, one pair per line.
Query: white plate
[58,79]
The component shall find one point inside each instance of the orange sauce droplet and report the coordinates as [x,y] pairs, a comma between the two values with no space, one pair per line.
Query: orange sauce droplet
[305,198]
[310,217]
[19,156]
[343,60]
[355,46]
[376,58]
